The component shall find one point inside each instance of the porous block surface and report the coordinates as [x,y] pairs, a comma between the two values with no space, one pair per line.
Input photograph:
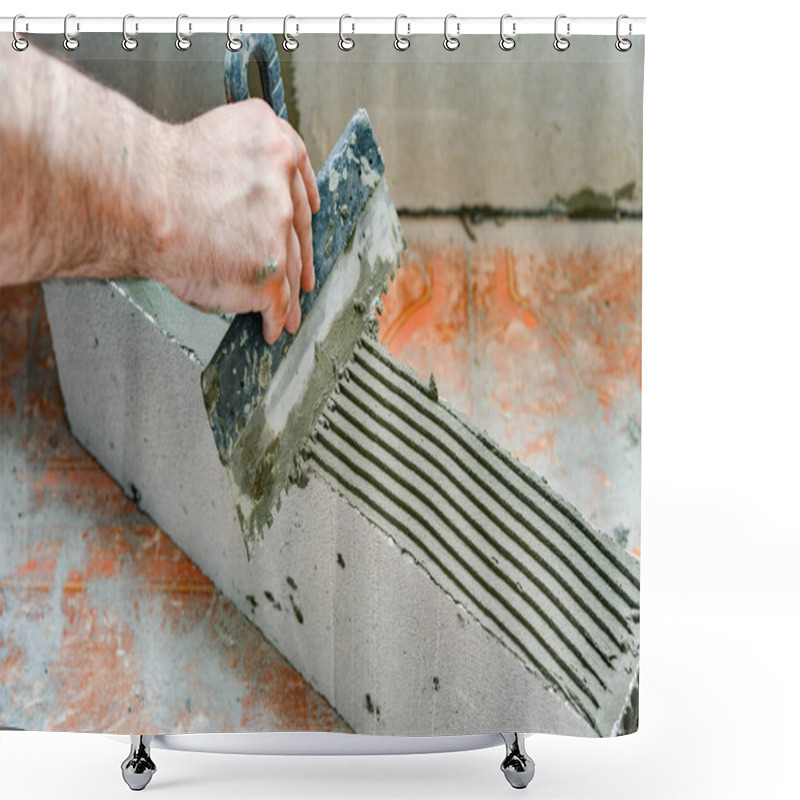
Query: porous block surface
[372,635]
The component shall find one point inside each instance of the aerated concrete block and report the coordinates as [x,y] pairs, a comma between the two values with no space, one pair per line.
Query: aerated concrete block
[417,576]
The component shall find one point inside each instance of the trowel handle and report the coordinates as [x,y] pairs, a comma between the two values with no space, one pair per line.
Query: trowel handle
[262,48]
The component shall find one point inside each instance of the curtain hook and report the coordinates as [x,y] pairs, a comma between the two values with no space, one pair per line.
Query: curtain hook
[128,42]
[345,42]
[401,42]
[233,44]
[290,43]
[507,42]
[623,45]
[451,42]
[561,43]
[182,42]
[70,42]
[18,43]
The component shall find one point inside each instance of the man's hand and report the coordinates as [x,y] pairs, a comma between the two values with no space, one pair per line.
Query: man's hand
[219,208]
[237,232]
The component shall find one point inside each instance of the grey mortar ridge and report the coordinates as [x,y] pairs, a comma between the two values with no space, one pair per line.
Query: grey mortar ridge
[566,555]
[611,563]
[382,442]
[617,568]
[501,538]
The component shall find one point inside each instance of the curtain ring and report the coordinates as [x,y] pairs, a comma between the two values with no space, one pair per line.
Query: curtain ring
[345,42]
[561,43]
[182,42]
[18,43]
[128,42]
[623,45]
[507,42]
[70,42]
[451,42]
[290,43]
[401,42]
[233,44]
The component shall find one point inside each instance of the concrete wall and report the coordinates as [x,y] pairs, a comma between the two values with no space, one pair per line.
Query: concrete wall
[173,85]
[477,126]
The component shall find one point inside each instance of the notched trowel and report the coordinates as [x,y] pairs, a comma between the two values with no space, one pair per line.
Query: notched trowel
[263,400]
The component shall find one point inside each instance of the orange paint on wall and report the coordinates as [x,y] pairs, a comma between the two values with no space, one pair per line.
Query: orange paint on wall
[509,304]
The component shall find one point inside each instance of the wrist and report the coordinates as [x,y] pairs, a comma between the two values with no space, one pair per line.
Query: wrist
[156,180]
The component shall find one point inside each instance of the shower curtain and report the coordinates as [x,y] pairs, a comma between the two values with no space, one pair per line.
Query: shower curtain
[417,513]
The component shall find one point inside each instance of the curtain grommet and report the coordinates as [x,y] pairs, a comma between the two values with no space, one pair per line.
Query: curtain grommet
[346,43]
[450,42]
[561,43]
[182,42]
[622,44]
[507,42]
[233,44]
[70,42]
[128,42]
[401,43]
[290,43]
[18,42]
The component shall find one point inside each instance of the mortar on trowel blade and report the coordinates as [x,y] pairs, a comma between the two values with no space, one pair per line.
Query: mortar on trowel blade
[264,400]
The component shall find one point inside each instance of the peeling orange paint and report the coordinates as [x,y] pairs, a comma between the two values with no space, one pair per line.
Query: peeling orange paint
[603,478]
[542,444]
[116,573]
[510,304]
[41,564]
[12,663]
[578,309]
[540,344]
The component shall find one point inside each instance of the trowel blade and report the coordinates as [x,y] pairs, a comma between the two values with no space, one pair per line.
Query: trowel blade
[253,390]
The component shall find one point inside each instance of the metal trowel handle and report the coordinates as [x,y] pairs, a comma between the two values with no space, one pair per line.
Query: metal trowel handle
[247,328]
[237,378]
[261,48]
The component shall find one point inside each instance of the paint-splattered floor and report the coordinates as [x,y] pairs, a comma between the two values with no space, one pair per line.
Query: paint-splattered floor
[104,624]
[533,330]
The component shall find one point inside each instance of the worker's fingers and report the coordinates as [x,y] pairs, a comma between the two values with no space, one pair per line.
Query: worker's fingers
[269,328]
[275,313]
[294,263]
[302,229]
[293,320]
[304,165]
[293,316]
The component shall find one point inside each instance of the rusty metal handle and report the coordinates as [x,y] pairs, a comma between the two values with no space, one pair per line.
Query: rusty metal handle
[260,47]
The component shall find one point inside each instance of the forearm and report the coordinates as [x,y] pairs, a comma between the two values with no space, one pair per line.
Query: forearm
[83,176]
[219,208]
